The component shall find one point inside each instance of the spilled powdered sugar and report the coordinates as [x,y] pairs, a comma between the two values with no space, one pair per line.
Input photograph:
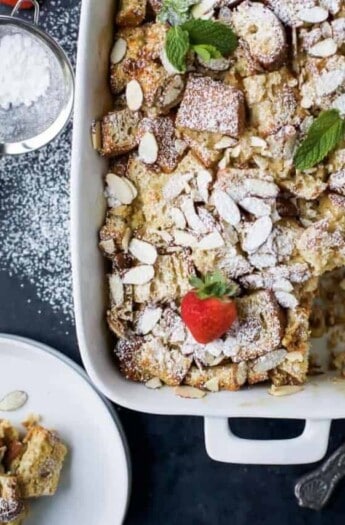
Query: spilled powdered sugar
[34,197]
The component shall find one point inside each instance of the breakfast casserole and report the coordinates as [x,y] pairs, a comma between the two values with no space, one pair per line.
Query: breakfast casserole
[226,187]
[30,467]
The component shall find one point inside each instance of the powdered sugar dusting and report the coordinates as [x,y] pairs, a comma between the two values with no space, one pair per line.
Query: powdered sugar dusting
[34,194]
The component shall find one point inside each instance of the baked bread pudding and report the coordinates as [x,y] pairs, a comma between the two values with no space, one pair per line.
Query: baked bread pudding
[30,468]
[226,186]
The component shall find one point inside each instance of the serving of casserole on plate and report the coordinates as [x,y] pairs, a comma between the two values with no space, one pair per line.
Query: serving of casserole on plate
[225,138]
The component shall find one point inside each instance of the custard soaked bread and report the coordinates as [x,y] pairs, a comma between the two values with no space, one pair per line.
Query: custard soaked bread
[223,192]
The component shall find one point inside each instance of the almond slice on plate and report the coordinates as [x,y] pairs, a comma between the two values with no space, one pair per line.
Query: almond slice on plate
[154,383]
[120,188]
[119,51]
[189,392]
[134,95]
[139,275]
[148,320]
[13,401]
[257,234]
[143,251]
[313,15]
[116,289]
[148,148]
[211,241]
[225,142]
[226,207]
[323,49]
[212,384]
[285,390]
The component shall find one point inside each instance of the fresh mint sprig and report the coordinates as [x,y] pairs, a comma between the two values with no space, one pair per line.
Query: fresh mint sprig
[322,137]
[175,12]
[207,38]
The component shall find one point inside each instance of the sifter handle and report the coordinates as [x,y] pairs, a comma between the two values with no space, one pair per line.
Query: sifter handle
[35,5]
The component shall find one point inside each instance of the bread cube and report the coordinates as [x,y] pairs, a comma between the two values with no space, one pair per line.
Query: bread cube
[131,12]
[39,466]
[12,508]
[119,132]
[210,105]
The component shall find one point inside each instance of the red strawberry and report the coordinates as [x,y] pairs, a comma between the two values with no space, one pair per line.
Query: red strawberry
[207,310]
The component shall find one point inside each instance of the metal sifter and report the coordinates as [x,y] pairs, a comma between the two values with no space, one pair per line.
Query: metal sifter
[25,128]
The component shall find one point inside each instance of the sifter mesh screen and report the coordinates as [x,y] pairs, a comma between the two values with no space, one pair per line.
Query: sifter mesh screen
[21,123]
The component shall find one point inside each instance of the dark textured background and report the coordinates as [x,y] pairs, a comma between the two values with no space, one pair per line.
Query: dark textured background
[174,482]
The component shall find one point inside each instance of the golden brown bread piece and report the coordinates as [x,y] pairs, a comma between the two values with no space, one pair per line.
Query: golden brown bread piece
[131,12]
[38,467]
[119,132]
[229,376]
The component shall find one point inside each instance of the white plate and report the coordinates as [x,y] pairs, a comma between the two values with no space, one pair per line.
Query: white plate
[95,481]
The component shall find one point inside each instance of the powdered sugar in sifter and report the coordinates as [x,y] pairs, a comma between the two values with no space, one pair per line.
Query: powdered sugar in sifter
[36,85]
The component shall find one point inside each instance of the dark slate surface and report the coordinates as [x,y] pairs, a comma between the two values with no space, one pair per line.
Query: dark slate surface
[174,482]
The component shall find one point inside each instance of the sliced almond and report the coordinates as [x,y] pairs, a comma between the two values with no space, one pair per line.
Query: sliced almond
[255,206]
[339,104]
[282,285]
[203,180]
[258,142]
[325,48]
[108,246]
[189,392]
[261,188]
[203,7]
[225,142]
[164,235]
[116,289]
[13,400]
[148,148]
[125,239]
[180,146]
[148,320]
[143,251]
[178,218]
[313,15]
[154,383]
[226,207]
[212,384]
[211,241]
[215,64]
[183,238]
[120,188]
[329,82]
[268,361]
[169,68]
[193,220]
[119,51]
[134,95]
[285,390]
[286,299]
[257,234]
[139,275]
[175,186]
[172,93]
[294,357]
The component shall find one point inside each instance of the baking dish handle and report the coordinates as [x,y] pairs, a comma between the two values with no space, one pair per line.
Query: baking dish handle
[223,445]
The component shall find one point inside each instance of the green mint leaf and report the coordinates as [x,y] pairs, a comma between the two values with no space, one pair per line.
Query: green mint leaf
[207,32]
[207,52]
[322,137]
[177,47]
[176,12]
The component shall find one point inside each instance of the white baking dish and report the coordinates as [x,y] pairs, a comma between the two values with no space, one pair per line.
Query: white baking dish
[320,402]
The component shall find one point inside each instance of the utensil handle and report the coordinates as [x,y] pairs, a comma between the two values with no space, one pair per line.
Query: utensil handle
[222,445]
[35,5]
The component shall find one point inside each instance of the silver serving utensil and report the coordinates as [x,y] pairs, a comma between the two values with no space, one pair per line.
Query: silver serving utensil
[314,489]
